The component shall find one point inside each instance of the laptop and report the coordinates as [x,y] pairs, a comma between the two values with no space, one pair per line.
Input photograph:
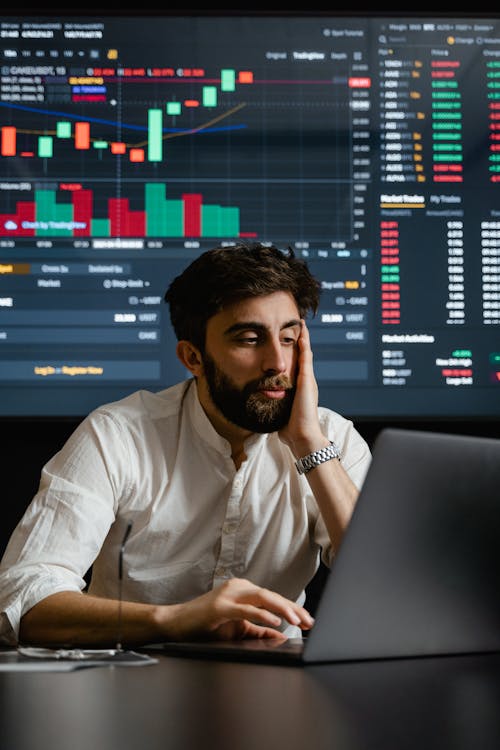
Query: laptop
[418,570]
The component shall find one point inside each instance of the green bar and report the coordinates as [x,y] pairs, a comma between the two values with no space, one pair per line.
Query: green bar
[173,108]
[448,157]
[390,279]
[446,136]
[220,221]
[155,207]
[100,144]
[446,95]
[444,84]
[390,268]
[446,115]
[446,105]
[209,96]
[493,96]
[175,218]
[493,64]
[45,146]
[45,210]
[494,157]
[155,141]
[447,147]
[64,216]
[227,80]
[53,216]
[210,221]
[446,125]
[63,129]
[495,85]
[99,227]
[164,218]
[496,74]
[230,221]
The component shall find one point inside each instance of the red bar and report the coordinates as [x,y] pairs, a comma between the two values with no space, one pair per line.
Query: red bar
[447,178]
[359,82]
[245,76]
[88,98]
[82,135]
[123,222]
[443,74]
[192,214]
[26,211]
[117,213]
[8,141]
[390,295]
[445,64]
[136,154]
[82,211]
[11,224]
[136,224]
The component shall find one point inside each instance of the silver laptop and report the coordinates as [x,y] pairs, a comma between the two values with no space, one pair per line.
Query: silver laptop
[418,571]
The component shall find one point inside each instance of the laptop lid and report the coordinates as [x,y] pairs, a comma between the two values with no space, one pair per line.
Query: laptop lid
[418,570]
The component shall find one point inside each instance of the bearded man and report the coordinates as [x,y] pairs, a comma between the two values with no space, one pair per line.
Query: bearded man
[230,487]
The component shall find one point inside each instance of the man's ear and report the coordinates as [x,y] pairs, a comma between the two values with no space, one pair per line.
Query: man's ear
[190,357]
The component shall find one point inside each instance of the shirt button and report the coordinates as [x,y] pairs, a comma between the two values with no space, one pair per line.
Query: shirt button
[237,483]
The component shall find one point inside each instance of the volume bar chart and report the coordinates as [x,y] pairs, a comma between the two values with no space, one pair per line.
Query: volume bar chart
[187,216]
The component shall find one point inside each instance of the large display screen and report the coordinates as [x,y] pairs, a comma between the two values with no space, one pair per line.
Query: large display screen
[370,145]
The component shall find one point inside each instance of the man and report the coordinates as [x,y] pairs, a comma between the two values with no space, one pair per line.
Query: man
[225,527]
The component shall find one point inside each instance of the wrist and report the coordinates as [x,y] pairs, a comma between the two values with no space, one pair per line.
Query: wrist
[303,447]
[305,463]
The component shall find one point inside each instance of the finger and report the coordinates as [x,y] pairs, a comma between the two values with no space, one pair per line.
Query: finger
[270,602]
[305,338]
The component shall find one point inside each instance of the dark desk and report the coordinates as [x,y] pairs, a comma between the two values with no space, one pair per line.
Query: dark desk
[448,703]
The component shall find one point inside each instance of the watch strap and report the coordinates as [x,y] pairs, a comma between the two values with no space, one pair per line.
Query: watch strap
[306,463]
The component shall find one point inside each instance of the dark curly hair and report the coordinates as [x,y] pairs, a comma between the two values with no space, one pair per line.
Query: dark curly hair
[224,275]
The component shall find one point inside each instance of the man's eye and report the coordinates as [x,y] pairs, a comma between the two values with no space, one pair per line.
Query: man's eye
[288,340]
[248,340]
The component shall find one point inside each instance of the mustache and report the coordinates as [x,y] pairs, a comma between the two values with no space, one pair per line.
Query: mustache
[270,382]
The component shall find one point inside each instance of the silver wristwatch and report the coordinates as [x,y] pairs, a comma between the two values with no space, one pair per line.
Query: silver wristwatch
[316,458]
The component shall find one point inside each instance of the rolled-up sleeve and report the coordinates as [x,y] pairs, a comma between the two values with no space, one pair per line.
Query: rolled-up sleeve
[63,528]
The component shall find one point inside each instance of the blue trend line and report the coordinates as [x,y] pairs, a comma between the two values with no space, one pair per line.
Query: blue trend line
[141,128]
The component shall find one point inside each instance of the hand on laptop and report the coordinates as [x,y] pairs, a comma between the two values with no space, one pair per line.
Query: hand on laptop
[235,609]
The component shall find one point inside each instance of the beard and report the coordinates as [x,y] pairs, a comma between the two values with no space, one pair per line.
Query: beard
[247,407]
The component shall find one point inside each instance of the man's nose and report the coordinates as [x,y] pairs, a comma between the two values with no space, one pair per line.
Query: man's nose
[273,357]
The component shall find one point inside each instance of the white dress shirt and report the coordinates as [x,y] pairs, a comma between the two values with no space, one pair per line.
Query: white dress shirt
[154,459]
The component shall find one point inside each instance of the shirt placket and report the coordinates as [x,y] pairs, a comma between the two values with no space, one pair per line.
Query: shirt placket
[225,563]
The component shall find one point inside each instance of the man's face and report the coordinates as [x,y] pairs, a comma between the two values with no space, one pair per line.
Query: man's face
[250,360]
[246,406]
